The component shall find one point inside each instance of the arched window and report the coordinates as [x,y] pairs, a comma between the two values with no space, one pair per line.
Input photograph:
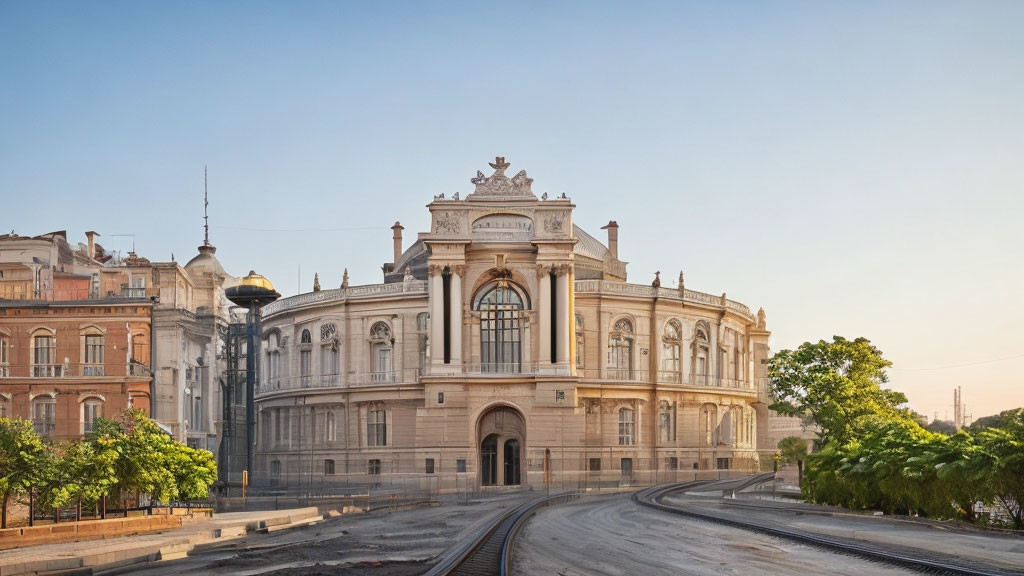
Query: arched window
[92,409]
[330,363]
[620,350]
[708,426]
[44,414]
[44,355]
[579,341]
[139,363]
[701,355]
[627,427]
[666,421]
[5,405]
[305,358]
[307,338]
[381,345]
[501,308]
[671,352]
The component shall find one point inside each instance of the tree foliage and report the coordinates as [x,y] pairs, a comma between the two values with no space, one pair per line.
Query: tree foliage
[836,383]
[874,454]
[127,456]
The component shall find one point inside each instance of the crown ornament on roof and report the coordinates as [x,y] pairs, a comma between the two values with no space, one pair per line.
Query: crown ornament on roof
[498,185]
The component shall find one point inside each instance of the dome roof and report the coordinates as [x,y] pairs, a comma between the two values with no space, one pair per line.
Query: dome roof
[589,246]
[205,263]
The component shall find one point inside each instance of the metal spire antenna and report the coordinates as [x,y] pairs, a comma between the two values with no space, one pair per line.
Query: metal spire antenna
[206,217]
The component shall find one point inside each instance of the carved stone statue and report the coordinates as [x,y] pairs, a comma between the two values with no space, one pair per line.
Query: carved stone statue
[544,196]
[682,281]
[316,282]
[657,279]
[344,279]
[761,319]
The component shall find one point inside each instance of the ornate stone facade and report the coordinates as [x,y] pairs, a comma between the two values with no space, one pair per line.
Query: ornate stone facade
[505,348]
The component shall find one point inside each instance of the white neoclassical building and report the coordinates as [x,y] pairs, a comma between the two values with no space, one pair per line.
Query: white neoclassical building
[505,348]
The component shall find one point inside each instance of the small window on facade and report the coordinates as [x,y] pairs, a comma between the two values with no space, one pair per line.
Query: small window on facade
[4,358]
[329,467]
[275,468]
[91,411]
[93,355]
[673,463]
[377,428]
[429,466]
[595,465]
[307,338]
[460,465]
[723,463]
[626,465]
[559,395]
[374,467]
[44,415]
[440,397]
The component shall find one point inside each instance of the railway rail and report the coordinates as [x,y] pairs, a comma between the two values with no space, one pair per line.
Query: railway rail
[489,551]
[934,564]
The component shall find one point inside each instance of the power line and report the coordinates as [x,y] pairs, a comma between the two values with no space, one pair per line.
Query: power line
[961,365]
[247,229]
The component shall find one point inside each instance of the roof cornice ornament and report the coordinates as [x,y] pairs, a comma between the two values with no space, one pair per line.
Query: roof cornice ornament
[498,186]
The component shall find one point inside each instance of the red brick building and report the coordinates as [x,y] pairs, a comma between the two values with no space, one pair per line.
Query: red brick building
[63,364]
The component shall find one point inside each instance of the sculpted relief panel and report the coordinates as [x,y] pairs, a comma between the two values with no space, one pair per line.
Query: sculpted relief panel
[503,227]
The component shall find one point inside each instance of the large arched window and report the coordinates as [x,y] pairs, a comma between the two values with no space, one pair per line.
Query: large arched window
[501,308]
[272,370]
[305,357]
[671,352]
[93,352]
[330,363]
[627,427]
[44,355]
[381,345]
[92,410]
[620,350]
[701,355]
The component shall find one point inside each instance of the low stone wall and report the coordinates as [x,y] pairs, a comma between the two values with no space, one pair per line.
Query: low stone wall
[86,530]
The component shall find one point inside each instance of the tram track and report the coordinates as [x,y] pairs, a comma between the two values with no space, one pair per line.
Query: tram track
[488,552]
[915,560]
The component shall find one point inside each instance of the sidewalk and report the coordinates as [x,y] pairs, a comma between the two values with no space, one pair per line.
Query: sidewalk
[168,545]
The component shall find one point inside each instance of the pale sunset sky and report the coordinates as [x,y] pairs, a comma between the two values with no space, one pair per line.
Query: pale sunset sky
[855,168]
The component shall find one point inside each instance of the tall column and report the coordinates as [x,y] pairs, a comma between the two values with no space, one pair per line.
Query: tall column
[436,296]
[572,321]
[455,321]
[562,322]
[544,306]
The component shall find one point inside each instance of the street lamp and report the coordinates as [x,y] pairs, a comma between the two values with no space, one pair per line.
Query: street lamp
[253,292]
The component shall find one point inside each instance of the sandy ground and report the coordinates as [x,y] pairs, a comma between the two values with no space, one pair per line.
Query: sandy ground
[611,535]
[401,543]
[984,549]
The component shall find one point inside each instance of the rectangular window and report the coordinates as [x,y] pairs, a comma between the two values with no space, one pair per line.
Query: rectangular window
[3,410]
[627,427]
[44,416]
[43,356]
[275,468]
[673,463]
[460,465]
[305,365]
[430,466]
[377,428]
[595,465]
[723,463]
[4,359]
[94,353]
[332,429]
[579,350]
[374,467]
[329,467]
[666,426]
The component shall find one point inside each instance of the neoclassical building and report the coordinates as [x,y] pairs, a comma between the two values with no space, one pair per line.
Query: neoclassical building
[506,348]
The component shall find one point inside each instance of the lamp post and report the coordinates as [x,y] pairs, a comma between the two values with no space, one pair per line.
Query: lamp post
[253,292]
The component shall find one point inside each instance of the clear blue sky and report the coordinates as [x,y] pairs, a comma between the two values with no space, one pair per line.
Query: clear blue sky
[855,168]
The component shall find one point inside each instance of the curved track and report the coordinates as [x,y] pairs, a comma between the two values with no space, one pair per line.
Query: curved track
[916,560]
[489,551]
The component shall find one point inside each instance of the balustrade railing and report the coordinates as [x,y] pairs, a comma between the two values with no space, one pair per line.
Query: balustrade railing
[339,294]
[624,288]
[499,368]
[327,381]
[666,377]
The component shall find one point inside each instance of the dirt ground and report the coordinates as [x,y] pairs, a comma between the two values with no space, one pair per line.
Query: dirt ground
[402,543]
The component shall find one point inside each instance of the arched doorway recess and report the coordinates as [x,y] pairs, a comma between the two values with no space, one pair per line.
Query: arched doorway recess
[502,435]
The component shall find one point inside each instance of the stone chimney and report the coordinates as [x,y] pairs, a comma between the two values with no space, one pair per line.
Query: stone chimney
[91,236]
[613,238]
[397,228]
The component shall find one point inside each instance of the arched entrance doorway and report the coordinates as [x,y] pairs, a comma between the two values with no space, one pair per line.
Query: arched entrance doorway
[502,434]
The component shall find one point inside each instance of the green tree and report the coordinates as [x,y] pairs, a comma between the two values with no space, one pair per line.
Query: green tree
[836,384]
[1006,472]
[21,454]
[794,449]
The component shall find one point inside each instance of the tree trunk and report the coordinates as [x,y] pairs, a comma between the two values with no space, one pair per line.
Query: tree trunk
[799,473]
[103,507]
[3,513]
[78,510]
